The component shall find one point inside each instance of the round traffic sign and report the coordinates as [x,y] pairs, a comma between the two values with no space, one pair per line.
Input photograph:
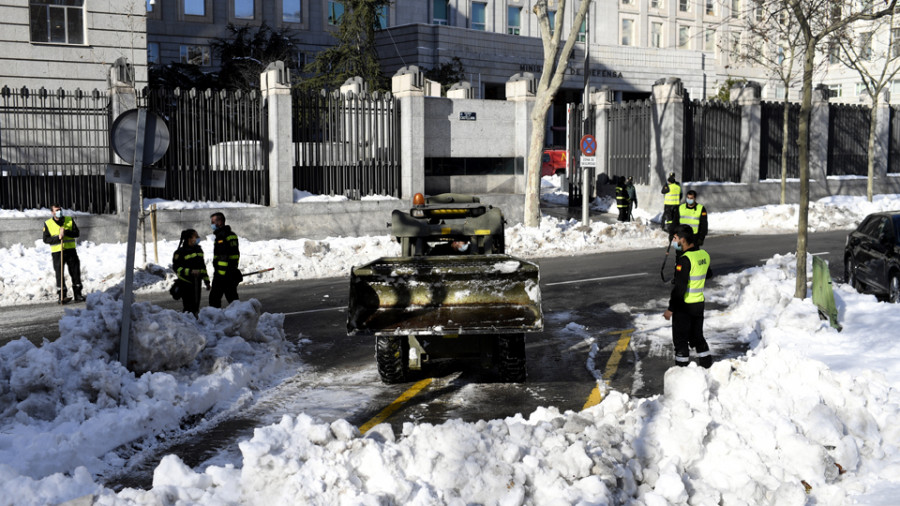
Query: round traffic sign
[156,136]
[588,145]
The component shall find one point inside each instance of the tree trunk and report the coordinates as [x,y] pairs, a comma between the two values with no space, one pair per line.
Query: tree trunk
[873,119]
[785,131]
[532,216]
[803,214]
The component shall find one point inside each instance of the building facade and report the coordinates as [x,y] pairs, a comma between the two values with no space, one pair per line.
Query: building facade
[70,44]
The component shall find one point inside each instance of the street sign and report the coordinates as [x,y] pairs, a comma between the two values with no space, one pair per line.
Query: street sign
[588,145]
[588,161]
[156,137]
[123,174]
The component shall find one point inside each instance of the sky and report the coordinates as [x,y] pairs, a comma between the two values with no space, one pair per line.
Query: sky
[808,416]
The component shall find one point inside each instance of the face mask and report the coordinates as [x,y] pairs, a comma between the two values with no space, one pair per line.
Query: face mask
[57,214]
[689,201]
[213,226]
[676,245]
[464,247]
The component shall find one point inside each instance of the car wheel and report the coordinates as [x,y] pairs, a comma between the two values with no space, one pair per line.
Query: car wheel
[850,274]
[392,357]
[894,289]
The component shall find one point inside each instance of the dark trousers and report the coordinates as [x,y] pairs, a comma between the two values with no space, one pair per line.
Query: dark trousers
[687,332]
[623,214]
[73,264]
[668,218]
[190,296]
[223,285]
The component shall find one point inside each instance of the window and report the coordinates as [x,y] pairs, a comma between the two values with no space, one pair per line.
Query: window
[335,12]
[627,2]
[656,4]
[834,52]
[684,37]
[382,13]
[478,18]
[441,12]
[582,32]
[513,20]
[865,45]
[195,55]
[836,90]
[292,11]
[656,35]
[758,12]
[627,38]
[551,17]
[710,7]
[60,22]
[895,42]
[195,7]
[152,52]
[779,91]
[735,8]
[684,5]
[243,9]
[709,40]
[895,88]
[779,55]
[860,89]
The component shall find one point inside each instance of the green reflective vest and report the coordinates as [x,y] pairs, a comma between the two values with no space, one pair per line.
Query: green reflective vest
[673,197]
[688,216]
[699,267]
[53,228]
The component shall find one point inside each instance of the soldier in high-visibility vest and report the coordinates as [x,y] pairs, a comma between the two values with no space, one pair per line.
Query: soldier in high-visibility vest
[686,303]
[60,233]
[671,201]
[621,198]
[693,214]
[226,256]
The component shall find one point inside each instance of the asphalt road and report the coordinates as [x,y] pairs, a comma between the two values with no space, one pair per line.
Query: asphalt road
[582,301]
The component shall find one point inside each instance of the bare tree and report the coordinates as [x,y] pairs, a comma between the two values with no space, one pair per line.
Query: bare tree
[873,52]
[555,61]
[816,20]
[776,47]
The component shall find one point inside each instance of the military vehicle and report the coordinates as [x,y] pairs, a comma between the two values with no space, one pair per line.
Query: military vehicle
[452,293]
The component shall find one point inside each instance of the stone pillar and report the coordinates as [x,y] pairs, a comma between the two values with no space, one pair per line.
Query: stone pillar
[275,86]
[462,89]
[354,85]
[432,88]
[748,97]
[602,101]
[123,98]
[818,142]
[882,131]
[408,85]
[520,89]
[667,136]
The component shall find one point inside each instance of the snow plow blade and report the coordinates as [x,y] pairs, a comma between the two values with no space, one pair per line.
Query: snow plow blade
[445,295]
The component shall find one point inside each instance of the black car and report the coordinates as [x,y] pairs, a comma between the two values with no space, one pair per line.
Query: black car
[872,256]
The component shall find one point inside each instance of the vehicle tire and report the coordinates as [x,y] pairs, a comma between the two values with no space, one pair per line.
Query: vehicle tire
[511,357]
[894,288]
[392,356]
[849,274]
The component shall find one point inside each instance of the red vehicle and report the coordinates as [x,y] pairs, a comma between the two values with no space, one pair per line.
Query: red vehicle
[553,162]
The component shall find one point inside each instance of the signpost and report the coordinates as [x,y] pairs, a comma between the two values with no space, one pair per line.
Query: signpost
[588,160]
[136,138]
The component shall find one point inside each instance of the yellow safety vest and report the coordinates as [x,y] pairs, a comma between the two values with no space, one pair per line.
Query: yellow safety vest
[53,228]
[699,267]
[673,197]
[621,198]
[688,216]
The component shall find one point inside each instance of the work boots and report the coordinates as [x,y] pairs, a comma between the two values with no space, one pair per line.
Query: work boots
[78,296]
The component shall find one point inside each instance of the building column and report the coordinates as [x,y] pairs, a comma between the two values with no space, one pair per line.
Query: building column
[408,85]
[667,135]
[602,101]
[275,86]
[748,97]
[521,89]
[818,142]
[123,98]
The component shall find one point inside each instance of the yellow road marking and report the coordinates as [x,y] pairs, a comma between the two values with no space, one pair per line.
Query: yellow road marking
[611,366]
[394,406]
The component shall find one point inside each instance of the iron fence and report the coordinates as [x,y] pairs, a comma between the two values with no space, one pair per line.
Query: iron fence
[54,147]
[848,136]
[771,140]
[346,144]
[629,140]
[218,148]
[712,141]
[894,143]
[579,127]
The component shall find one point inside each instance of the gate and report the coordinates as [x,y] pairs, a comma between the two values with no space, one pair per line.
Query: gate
[346,144]
[218,148]
[848,139]
[54,147]
[771,133]
[629,140]
[712,141]
[894,144]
